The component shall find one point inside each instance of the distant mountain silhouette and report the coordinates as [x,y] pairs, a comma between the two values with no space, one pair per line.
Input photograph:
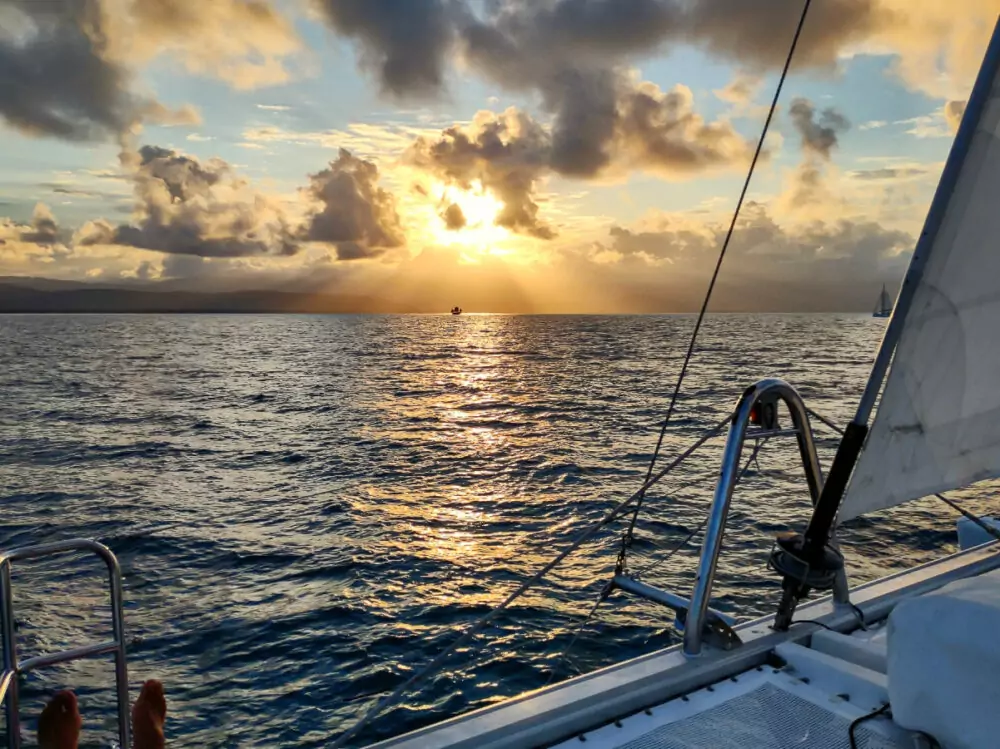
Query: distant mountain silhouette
[47,295]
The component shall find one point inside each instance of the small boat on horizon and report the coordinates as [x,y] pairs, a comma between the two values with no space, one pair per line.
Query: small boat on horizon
[904,661]
[884,306]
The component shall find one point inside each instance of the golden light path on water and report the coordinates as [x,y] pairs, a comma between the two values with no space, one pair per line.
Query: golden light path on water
[307,508]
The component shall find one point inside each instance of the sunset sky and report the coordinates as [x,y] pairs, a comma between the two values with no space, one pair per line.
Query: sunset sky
[507,155]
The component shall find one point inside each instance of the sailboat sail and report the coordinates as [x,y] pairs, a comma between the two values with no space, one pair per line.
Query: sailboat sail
[884,306]
[938,424]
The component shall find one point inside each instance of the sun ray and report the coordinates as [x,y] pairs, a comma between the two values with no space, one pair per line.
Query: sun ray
[472,225]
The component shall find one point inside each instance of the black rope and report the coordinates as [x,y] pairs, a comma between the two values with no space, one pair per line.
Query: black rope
[564,656]
[858,721]
[817,622]
[990,530]
[970,516]
[687,539]
[627,537]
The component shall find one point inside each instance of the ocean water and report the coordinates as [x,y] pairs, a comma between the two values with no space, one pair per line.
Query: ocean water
[307,508]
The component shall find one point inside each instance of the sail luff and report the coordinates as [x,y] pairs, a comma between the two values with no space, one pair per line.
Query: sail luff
[935,214]
[935,427]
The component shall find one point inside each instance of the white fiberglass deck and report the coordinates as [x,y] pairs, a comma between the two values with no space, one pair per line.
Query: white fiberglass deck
[808,699]
[800,688]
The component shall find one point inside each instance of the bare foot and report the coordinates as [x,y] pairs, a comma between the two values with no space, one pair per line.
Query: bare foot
[148,715]
[59,726]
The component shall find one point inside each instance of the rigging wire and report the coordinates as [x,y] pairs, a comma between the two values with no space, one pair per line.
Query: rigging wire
[650,479]
[627,537]
[564,656]
[971,516]
[746,466]
[613,514]
[608,589]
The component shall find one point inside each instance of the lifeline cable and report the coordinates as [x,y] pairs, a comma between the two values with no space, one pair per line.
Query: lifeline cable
[627,537]
[972,517]
[490,615]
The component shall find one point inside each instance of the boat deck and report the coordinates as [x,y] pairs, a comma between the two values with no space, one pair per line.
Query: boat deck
[799,688]
[808,696]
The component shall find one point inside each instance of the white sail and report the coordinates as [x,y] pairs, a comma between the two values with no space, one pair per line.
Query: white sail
[938,424]
[884,305]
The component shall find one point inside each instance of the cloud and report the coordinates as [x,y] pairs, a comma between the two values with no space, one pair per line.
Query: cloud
[519,44]
[938,124]
[408,45]
[352,212]
[245,43]
[872,125]
[507,154]
[953,111]
[660,131]
[69,65]
[453,217]
[816,265]
[939,46]
[405,43]
[741,90]
[382,139]
[43,229]
[57,78]
[604,123]
[203,209]
[187,207]
[819,133]
[889,173]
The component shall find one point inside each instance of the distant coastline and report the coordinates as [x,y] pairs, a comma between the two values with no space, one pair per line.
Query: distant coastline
[39,295]
[27,295]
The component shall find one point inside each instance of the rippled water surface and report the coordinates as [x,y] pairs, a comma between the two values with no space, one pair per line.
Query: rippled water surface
[306,507]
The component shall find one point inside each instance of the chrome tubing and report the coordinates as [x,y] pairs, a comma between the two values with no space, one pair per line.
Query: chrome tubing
[719,512]
[9,656]
[12,669]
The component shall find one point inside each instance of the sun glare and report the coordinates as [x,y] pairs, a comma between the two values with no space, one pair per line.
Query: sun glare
[479,210]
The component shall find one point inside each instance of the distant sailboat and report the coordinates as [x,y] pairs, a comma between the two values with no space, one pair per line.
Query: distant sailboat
[456,310]
[884,307]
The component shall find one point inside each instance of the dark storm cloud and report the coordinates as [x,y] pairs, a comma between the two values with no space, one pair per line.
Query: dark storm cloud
[353,212]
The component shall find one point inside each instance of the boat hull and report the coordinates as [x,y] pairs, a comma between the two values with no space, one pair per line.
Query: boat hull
[563,711]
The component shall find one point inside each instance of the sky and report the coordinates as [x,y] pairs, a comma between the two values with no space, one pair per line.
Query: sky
[499,155]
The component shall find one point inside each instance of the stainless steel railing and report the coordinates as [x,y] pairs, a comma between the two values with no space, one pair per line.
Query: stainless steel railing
[12,668]
[763,392]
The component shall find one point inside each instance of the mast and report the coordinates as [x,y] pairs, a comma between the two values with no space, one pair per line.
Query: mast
[807,561]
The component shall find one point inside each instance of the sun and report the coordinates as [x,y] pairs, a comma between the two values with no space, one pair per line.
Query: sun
[479,210]
[478,206]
